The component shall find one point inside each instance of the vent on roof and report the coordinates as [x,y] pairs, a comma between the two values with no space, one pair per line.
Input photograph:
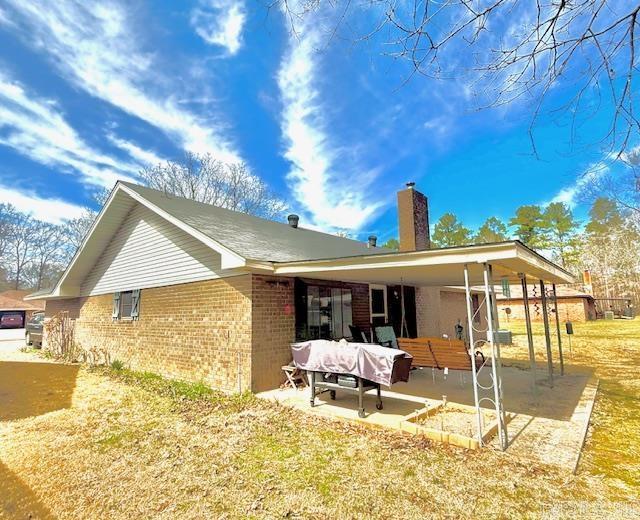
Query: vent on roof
[293,220]
[372,241]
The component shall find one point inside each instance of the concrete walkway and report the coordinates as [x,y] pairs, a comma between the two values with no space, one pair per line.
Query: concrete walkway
[11,335]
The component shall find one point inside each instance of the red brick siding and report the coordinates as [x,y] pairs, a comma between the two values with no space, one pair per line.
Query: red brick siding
[191,331]
[273,330]
[413,221]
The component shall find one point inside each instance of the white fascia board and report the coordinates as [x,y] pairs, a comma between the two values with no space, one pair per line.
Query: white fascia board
[559,274]
[412,259]
[229,259]
[260,265]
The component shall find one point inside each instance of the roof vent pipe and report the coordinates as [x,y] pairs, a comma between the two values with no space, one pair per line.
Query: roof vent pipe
[293,220]
[372,241]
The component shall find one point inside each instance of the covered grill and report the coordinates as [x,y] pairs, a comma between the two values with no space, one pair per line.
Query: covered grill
[350,367]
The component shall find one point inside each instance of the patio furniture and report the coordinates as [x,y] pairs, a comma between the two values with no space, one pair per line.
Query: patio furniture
[358,334]
[294,376]
[440,353]
[350,367]
[386,336]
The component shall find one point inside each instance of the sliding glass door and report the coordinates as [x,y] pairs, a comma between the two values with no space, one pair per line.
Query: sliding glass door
[323,312]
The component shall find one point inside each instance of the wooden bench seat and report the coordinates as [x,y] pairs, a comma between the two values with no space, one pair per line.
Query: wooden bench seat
[439,353]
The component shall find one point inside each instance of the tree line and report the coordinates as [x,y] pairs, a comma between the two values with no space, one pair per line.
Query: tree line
[608,244]
[33,253]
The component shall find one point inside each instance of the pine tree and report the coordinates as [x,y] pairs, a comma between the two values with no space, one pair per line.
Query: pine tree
[493,230]
[530,226]
[392,243]
[561,230]
[449,232]
[604,217]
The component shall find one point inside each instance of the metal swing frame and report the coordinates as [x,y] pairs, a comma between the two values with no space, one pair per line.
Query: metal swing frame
[493,392]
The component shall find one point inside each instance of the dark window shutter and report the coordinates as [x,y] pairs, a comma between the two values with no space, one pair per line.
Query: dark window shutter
[116,306]
[135,303]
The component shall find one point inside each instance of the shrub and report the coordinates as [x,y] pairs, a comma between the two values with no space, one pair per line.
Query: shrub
[117,365]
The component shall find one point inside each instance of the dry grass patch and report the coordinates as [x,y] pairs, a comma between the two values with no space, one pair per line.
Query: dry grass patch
[611,349]
[135,445]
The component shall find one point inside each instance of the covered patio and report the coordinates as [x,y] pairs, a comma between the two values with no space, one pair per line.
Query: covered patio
[512,394]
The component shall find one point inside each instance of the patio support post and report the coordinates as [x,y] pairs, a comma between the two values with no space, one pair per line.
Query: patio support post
[547,335]
[494,301]
[527,321]
[472,346]
[555,307]
[495,360]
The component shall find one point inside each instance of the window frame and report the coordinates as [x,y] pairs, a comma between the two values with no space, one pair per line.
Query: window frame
[133,304]
[121,313]
[372,315]
[322,291]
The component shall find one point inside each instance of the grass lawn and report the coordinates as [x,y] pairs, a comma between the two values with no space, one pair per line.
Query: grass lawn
[117,444]
[612,350]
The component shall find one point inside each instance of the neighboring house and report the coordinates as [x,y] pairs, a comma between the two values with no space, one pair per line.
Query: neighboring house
[196,292]
[20,311]
[573,305]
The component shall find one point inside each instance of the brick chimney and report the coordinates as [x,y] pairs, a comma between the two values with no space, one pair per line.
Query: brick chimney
[413,219]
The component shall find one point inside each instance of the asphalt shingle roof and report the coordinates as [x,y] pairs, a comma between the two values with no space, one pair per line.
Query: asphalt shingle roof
[253,237]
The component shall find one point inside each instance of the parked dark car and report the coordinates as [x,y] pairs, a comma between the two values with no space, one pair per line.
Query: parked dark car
[33,329]
[11,320]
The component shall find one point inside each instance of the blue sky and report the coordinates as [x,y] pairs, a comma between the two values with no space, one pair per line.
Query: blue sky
[88,96]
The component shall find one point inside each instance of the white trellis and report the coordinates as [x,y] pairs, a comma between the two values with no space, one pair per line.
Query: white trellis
[492,392]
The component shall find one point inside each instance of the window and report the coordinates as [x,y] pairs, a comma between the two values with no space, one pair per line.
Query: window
[126,304]
[323,312]
[378,303]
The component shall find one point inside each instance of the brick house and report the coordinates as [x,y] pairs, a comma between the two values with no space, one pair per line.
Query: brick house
[573,305]
[197,292]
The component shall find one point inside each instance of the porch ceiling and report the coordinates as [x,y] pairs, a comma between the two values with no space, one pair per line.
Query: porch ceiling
[436,267]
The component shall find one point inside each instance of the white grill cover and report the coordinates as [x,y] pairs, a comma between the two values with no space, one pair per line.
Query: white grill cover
[364,360]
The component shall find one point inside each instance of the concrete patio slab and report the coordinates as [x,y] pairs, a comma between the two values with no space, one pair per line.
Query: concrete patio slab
[545,427]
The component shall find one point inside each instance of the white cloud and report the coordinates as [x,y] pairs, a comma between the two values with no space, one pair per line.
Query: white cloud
[54,211]
[4,19]
[569,194]
[94,46]
[322,182]
[34,128]
[220,22]
[143,157]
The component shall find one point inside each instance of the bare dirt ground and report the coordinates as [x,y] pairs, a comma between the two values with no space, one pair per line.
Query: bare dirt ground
[455,420]
[97,443]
